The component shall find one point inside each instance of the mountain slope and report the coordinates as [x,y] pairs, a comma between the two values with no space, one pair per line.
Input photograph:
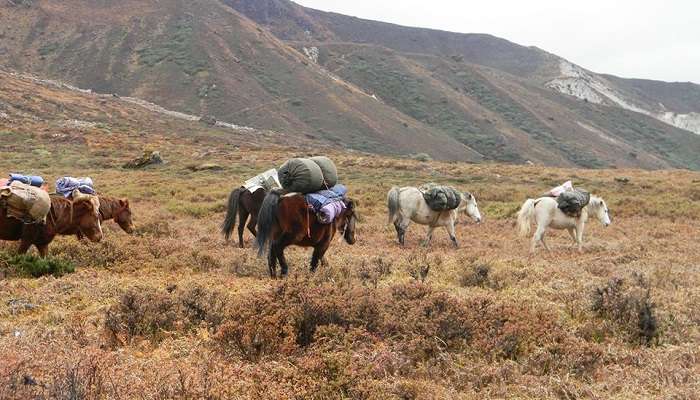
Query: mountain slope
[203,58]
[354,83]
[290,21]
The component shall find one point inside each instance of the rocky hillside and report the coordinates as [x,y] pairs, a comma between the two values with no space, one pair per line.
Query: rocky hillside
[354,83]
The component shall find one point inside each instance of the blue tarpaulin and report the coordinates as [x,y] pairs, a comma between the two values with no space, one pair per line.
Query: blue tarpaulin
[35,181]
[66,185]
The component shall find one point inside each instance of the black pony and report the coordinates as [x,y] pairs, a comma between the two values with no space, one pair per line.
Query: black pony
[244,204]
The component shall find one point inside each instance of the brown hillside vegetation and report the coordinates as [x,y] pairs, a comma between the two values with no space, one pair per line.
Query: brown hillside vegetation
[175,312]
[373,87]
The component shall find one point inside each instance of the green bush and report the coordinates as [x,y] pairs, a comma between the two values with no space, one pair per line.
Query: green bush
[29,265]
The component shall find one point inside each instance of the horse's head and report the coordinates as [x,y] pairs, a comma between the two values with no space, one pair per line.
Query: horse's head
[86,214]
[469,207]
[348,221]
[598,208]
[122,216]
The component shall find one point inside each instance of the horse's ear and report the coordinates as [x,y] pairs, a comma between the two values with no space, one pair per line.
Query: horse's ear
[467,195]
[124,203]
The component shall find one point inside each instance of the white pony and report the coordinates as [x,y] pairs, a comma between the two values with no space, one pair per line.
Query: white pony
[546,213]
[407,204]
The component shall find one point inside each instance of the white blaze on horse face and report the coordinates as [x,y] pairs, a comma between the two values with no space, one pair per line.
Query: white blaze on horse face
[601,211]
[472,209]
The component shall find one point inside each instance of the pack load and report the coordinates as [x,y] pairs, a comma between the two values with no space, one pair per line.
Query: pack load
[441,198]
[66,185]
[564,187]
[30,180]
[301,175]
[328,169]
[26,203]
[572,202]
[327,204]
[268,180]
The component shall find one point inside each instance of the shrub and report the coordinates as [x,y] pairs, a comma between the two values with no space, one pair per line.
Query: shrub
[154,314]
[140,312]
[30,265]
[475,275]
[629,306]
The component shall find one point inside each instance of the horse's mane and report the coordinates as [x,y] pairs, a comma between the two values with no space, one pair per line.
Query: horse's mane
[109,205]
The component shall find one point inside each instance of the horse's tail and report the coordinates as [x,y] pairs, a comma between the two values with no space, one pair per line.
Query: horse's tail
[392,202]
[526,216]
[267,218]
[231,213]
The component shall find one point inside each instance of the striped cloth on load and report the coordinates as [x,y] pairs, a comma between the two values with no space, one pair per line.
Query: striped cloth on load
[327,204]
[66,185]
[25,202]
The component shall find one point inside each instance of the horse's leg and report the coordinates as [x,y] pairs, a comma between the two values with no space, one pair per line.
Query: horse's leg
[251,225]
[318,254]
[24,246]
[429,236]
[272,261]
[284,267]
[544,243]
[539,234]
[242,218]
[572,234]
[579,236]
[450,228]
[401,226]
[43,250]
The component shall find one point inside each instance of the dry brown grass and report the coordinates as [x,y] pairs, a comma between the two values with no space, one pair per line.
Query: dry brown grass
[175,312]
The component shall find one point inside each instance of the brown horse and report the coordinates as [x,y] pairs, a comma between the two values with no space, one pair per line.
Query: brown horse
[65,218]
[118,210]
[287,220]
[244,204]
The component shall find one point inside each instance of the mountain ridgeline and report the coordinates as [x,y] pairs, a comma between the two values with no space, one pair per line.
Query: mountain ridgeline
[354,83]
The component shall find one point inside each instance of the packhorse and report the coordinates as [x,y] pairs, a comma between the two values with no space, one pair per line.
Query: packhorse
[286,220]
[242,204]
[117,210]
[546,213]
[408,204]
[66,217]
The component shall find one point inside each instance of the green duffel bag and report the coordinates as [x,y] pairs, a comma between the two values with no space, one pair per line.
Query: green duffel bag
[442,198]
[330,172]
[300,175]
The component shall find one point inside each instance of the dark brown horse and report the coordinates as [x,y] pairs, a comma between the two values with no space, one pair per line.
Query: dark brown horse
[65,218]
[287,220]
[244,204]
[117,210]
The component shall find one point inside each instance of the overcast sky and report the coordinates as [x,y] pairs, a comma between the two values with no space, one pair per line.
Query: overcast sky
[629,38]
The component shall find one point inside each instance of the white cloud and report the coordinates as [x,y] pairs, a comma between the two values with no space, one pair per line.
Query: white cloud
[640,39]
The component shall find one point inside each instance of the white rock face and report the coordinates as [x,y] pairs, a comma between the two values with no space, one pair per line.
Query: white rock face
[312,53]
[690,122]
[577,82]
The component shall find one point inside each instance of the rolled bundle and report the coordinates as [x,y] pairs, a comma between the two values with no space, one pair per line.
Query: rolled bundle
[330,172]
[300,175]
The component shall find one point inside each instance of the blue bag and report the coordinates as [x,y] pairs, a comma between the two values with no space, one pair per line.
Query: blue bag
[35,181]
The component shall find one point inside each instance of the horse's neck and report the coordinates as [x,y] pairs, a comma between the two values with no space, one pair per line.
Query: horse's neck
[108,207]
[61,215]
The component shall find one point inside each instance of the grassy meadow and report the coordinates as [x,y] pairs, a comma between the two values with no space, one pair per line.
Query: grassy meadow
[174,311]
